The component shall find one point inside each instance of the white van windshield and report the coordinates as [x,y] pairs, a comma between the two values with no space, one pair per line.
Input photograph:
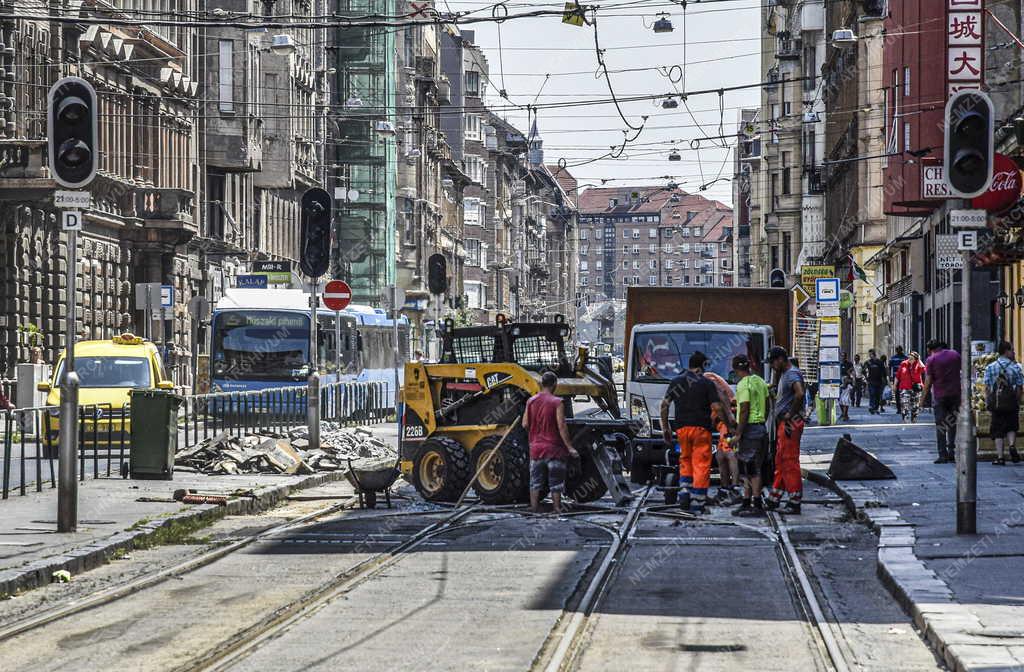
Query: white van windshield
[660,356]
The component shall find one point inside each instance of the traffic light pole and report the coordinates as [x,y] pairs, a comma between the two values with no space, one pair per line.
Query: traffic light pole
[313,390]
[966,452]
[67,479]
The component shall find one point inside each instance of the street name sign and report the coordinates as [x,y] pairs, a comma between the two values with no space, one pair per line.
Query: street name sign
[251,281]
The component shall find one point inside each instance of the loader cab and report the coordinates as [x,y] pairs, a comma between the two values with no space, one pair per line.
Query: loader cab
[535,346]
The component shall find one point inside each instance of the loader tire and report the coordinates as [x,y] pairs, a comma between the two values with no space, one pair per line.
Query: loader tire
[441,471]
[584,482]
[506,478]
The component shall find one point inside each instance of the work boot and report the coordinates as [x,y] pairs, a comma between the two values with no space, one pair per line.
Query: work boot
[792,508]
[1014,455]
[684,501]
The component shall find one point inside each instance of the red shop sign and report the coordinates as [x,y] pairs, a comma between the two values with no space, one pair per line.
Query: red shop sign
[1005,189]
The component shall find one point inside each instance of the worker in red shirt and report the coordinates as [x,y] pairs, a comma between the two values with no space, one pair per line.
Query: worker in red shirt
[550,444]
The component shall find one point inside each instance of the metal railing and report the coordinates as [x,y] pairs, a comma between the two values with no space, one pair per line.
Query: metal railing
[28,450]
[277,410]
[29,436]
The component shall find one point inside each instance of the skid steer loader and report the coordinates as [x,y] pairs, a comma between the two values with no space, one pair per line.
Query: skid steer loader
[469,405]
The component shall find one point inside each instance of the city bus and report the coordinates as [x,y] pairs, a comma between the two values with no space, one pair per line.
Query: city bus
[259,339]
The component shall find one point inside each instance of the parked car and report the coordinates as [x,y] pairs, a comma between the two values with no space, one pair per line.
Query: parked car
[108,370]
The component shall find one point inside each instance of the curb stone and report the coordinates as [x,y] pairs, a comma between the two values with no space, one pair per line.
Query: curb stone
[77,560]
[948,626]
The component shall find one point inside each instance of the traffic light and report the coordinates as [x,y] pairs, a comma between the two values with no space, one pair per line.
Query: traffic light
[315,233]
[970,143]
[437,274]
[71,132]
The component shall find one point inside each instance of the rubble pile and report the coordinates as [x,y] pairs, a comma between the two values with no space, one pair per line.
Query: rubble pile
[290,454]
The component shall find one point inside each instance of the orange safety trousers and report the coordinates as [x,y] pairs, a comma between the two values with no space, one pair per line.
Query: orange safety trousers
[694,460]
[787,462]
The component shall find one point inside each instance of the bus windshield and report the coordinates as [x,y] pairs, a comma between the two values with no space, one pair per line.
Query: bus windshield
[660,356]
[265,345]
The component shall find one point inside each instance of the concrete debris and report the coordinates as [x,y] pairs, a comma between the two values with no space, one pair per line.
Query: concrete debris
[290,454]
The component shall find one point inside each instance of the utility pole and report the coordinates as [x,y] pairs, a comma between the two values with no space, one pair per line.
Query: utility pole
[966,455]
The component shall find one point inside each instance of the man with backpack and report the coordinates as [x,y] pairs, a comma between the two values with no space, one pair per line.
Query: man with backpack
[1004,382]
[876,371]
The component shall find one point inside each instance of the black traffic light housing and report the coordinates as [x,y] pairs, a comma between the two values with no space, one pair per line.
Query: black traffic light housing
[437,274]
[315,232]
[969,143]
[71,132]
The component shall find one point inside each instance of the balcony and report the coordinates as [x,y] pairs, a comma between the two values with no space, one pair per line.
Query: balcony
[426,68]
[166,208]
[22,164]
[787,49]
[816,180]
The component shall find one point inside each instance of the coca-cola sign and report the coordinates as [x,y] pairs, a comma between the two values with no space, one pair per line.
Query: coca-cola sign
[1005,189]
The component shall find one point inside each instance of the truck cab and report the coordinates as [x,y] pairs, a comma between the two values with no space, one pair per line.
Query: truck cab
[659,352]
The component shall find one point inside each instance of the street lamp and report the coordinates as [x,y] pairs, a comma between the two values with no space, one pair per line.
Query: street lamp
[1004,300]
[1019,297]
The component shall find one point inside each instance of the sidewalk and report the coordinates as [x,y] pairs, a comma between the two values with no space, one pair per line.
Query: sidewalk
[112,517]
[966,593]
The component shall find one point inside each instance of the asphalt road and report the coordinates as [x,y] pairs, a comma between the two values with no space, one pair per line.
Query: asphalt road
[493,592]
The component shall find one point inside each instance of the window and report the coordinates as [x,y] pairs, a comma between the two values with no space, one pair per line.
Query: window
[685,263]
[473,248]
[599,265]
[227,76]
[685,248]
[709,280]
[625,279]
[686,279]
[584,250]
[652,233]
[906,81]
[668,264]
[599,251]
[686,232]
[625,264]
[775,110]
[668,280]
[636,280]
[787,252]
[472,83]
[583,281]
[584,266]
[471,211]
[636,264]
[625,249]
[653,264]
[698,232]
[725,263]
[583,234]
[625,233]
[667,248]
[724,247]
[906,136]
[636,249]
[474,294]
[652,248]
[636,234]
[473,127]
[652,280]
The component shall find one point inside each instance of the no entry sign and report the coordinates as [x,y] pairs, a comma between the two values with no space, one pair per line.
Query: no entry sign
[337,295]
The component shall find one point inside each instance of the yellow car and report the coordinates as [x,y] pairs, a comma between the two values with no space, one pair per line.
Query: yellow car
[107,371]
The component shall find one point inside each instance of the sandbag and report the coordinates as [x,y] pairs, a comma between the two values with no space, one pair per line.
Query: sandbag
[850,462]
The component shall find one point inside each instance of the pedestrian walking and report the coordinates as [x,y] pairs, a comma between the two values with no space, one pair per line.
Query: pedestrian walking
[728,473]
[750,440]
[789,424]
[550,444]
[908,380]
[894,365]
[694,399]
[845,397]
[942,380]
[1004,382]
[858,381]
[876,375]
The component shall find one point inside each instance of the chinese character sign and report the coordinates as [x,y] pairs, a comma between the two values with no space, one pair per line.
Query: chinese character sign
[965,44]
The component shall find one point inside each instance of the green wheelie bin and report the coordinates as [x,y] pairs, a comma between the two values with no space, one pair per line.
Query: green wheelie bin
[154,433]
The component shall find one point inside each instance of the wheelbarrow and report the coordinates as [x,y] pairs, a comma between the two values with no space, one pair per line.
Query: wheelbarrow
[370,479]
